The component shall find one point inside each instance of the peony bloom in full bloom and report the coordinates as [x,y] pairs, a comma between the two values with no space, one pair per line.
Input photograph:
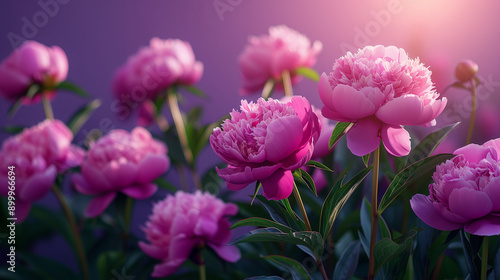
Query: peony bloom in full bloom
[32,63]
[121,162]
[37,154]
[267,56]
[380,90]
[162,64]
[182,223]
[266,141]
[465,193]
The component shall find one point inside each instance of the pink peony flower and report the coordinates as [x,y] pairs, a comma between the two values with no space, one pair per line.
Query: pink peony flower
[266,141]
[32,63]
[121,161]
[181,223]
[37,154]
[465,193]
[380,90]
[268,56]
[154,68]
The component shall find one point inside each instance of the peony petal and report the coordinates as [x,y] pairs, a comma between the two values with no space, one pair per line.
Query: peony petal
[33,59]
[151,167]
[96,178]
[326,92]
[153,251]
[13,83]
[38,185]
[97,205]
[486,226]
[279,185]
[424,209]
[363,138]
[469,203]
[235,187]
[472,152]
[205,227]
[283,137]
[495,144]
[299,158]
[354,104]
[334,115]
[396,140]
[492,189]
[404,110]
[140,191]
[82,186]
[179,251]
[228,253]
[245,175]
[120,174]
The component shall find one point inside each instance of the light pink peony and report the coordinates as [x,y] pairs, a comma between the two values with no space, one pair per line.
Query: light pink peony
[38,154]
[121,162]
[268,56]
[265,141]
[181,223]
[154,68]
[380,90]
[32,63]
[465,193]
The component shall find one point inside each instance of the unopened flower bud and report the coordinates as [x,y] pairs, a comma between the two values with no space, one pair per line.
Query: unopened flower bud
[466,70]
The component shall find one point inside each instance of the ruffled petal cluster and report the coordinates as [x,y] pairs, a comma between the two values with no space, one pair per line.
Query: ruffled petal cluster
[121,162]
[380,89]
[465,193]
[32,63]
[265,141]
[267,56]
[182,222]
[37,155]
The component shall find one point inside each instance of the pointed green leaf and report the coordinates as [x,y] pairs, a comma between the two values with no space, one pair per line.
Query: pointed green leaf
[68,86]
[258,184]
[346,266]
[409,175]
[337,198]
[387,249]
[297,271]
[194,90]
[427,146]
[33,90]
[13,129]
[318,165]
[291,215]
[261,222]
[273,209]
[366,158]
[300,177]
[82,115]
[307,72]
[340,129]
[14,108]
[164,184]
[194,114]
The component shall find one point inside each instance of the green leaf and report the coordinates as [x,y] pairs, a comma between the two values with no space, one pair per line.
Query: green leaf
[291,215]
[296,269]
[366,158]
[13,129]
[336,199]
[164,184]
[82,115]
[261,222]
[340,129]
[346,266]
[107,262]
[14,108]
[387,250]
[194,90]
[30,93]
[307,72]
[427,146]
[273,209]
[300,175]
[318,165]
[68,86]
[258,184]
[409,175]
[194,114]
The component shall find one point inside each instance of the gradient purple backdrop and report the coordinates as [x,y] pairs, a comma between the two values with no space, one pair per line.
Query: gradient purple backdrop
[98,37]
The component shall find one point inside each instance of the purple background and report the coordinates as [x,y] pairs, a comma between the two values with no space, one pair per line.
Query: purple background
[98,36]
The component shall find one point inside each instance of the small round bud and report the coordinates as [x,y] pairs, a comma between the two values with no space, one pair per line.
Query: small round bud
[466,70]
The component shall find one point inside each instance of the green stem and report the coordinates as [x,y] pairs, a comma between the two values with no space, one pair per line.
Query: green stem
[298,198]
[203,273]
[473,111]
[374,202]
[49,114]
[181,132]
[268,88]
[484,259]
[128,212]
[287,83]
[76,235]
